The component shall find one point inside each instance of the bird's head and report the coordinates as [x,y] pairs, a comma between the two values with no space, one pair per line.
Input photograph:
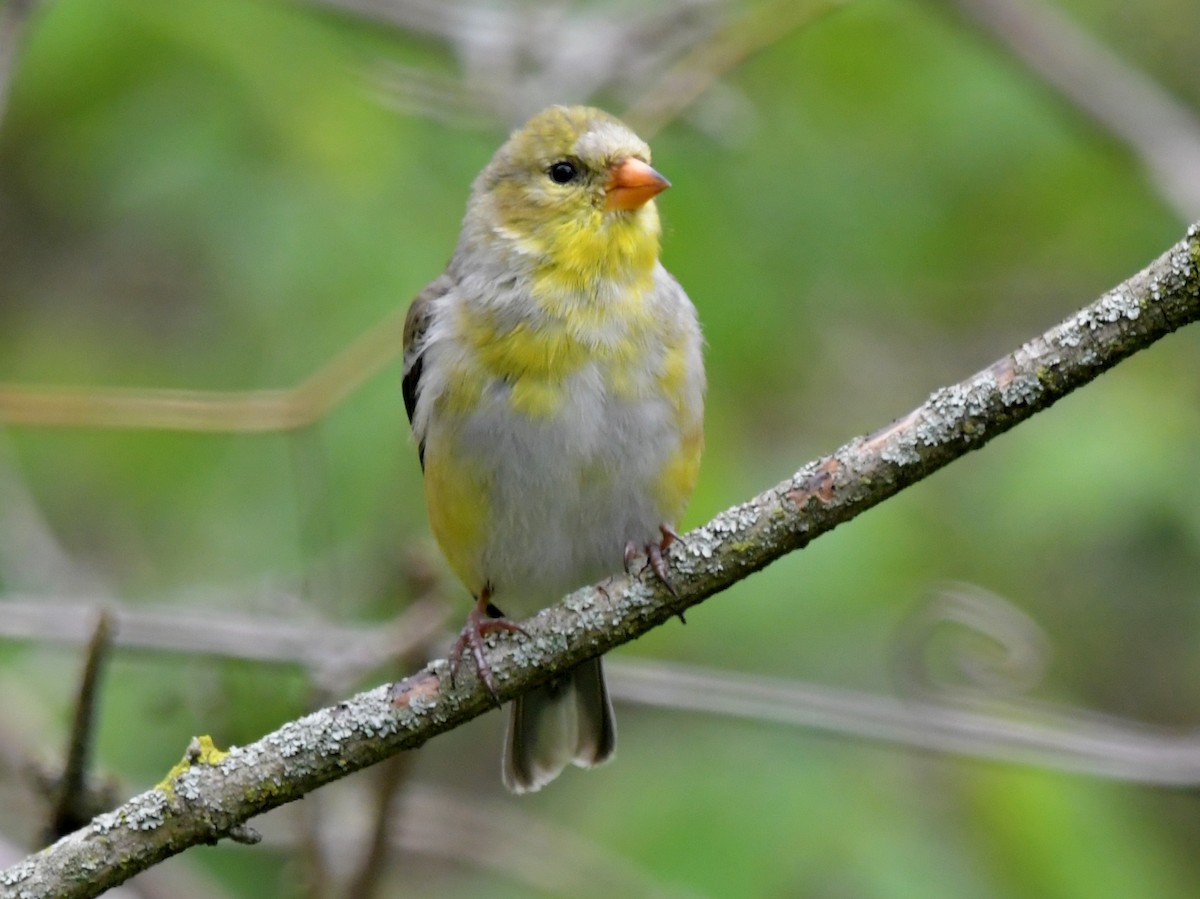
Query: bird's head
[572,191]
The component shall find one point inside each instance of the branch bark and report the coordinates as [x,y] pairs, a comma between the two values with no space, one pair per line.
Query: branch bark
[211,795]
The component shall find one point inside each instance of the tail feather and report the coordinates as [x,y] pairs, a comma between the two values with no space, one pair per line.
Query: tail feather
[567,721]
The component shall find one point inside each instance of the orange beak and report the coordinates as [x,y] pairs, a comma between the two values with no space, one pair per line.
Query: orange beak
[631,183]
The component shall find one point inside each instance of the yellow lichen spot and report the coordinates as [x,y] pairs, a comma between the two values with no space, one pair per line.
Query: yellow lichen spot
[164,785]
[209,753]
[201,751]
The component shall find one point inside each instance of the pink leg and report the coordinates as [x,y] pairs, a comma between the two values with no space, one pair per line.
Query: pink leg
[479,625]
[654,556]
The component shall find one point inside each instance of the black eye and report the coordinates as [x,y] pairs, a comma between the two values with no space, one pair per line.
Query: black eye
[563,172]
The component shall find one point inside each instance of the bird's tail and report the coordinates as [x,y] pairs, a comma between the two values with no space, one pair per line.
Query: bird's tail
[569,720]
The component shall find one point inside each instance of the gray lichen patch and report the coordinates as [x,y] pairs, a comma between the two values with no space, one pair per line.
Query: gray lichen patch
[1115,305]
[18,873]
[901,450]
[368,716]
[581,600]
[1023,390]
[146,811]
[737,520]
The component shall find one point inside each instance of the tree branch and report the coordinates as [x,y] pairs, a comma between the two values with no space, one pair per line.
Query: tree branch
[213,793]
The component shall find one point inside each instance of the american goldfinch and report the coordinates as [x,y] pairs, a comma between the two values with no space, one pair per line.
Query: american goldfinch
[554,381]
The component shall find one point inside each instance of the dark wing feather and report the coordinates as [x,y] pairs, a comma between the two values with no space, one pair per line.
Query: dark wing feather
[416,323]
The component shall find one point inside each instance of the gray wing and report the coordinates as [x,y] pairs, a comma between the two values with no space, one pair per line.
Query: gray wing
[416,324]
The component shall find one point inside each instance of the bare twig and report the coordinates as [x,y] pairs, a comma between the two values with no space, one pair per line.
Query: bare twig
[207,800]
[498,838]
[13,19]
[391,777]
[706,63]
[335,654]
[74,805]
[314,867]
[1026,733]
[210,410]
[515,58]
[441,98]
[502,840]
[1160,130]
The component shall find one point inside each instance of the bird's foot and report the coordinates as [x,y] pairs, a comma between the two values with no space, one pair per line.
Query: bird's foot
[482,620]
[655,559]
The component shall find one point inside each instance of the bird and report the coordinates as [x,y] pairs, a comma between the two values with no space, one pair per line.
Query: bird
[554,380]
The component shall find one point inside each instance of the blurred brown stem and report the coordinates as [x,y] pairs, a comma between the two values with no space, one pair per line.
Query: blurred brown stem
[251,411]
[74,805]
[391,778]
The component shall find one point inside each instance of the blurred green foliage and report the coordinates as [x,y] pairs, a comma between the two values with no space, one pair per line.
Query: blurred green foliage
[210,194]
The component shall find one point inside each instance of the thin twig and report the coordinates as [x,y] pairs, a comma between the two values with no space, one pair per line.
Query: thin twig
[217,794]
[390,779]
[314,870]
[1026,733]
[502,840]
[499,838]
[251,411]
[13,19]
[74,805]
[335,654]
[700,69]
[1163,132]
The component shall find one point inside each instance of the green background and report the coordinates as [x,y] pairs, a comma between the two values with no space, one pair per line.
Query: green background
[217,195]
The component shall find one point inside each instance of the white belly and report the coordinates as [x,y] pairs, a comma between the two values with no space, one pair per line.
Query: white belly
[567,493]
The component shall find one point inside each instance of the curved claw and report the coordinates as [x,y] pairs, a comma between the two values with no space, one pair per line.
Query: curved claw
[670,536]
[655,559]
[479,624]
[654,556]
